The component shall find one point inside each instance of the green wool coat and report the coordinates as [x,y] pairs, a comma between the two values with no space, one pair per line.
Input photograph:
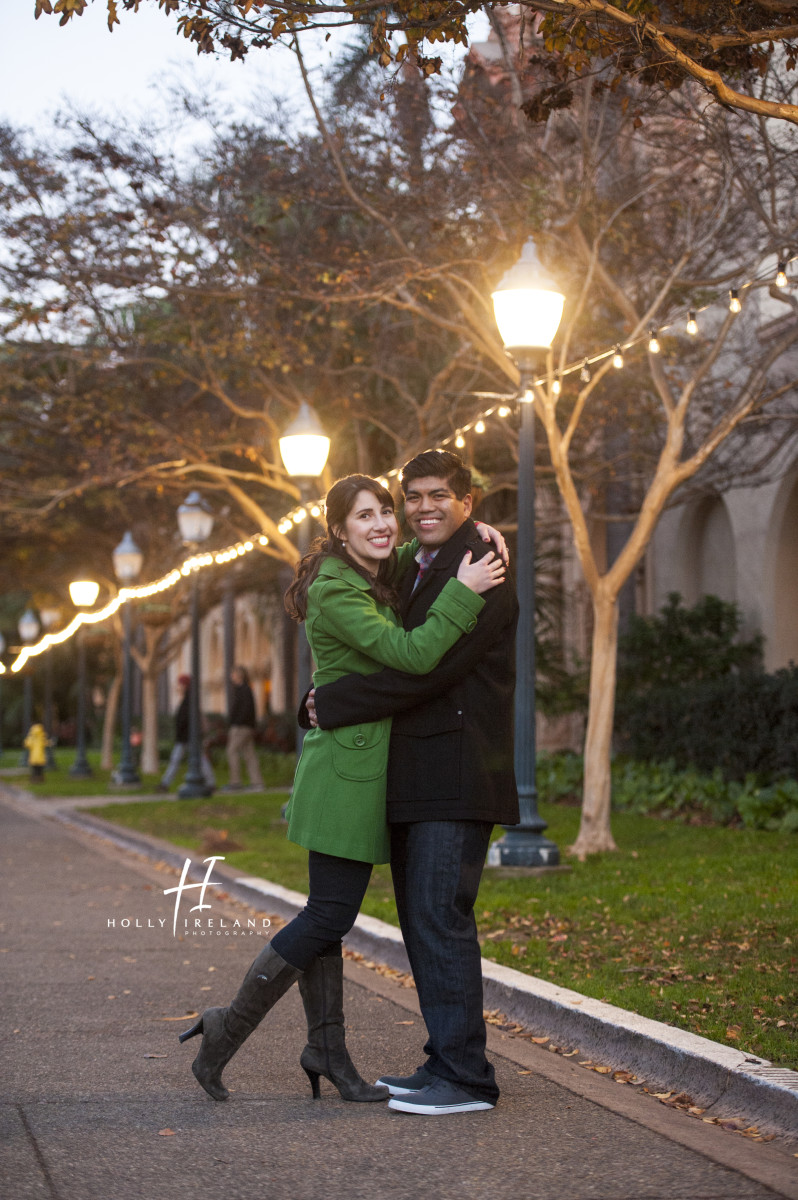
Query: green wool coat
[338,800]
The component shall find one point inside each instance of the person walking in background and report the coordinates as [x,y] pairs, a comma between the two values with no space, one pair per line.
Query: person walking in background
[180,748]
[241,734]
[344,592]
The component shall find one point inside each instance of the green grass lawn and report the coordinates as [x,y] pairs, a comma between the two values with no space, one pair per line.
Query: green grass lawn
[694,926]
[277,770]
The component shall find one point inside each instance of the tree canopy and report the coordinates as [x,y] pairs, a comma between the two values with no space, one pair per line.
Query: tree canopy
[727,46]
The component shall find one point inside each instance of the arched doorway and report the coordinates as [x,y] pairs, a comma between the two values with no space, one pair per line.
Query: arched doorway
[710,560]
[784,648]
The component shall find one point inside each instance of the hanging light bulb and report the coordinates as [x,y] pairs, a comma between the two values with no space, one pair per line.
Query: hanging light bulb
[459,441]
[653,341]
[781,274]
[503,410]
[692,325]
[617,358]
[734,301]
[556,386]
[479,427]
[584,374]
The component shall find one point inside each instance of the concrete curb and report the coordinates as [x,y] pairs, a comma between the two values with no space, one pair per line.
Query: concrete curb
[724,1081]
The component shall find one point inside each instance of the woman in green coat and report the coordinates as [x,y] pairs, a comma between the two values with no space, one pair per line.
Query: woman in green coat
[344,591]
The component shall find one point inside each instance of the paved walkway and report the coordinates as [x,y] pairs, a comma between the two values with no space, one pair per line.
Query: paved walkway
[98,1100]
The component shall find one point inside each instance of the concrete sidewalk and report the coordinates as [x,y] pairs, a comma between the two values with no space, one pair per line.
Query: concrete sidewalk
[98,1100]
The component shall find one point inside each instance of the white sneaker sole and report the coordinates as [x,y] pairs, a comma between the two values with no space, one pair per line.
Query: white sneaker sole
[439,1110]
[395,1090]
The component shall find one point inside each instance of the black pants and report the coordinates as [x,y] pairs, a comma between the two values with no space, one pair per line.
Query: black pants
[335,893]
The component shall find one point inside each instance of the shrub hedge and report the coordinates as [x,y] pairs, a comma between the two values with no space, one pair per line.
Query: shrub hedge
[665,790]
[740,724]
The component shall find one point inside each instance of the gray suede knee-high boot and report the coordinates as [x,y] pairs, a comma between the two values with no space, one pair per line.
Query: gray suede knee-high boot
[224,1030]
[322,991]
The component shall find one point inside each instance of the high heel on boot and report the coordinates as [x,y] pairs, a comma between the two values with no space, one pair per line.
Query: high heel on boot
[190,1033]
[322,991]
[224,1030]
[313,1076]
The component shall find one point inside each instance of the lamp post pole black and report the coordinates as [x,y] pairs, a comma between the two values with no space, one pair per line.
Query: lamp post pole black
[2,652]
[196,522]
[83,593]
[194,785]
[80,768]
[304,447]
[303,658]
[28,630]
[50,618]
[524,844]
[126,772]
[528,308]
[128,560]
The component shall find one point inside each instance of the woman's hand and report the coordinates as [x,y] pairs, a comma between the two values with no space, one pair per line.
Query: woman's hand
[483,575]
[489,534]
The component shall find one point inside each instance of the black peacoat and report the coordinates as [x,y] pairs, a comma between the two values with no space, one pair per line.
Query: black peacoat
[451,749]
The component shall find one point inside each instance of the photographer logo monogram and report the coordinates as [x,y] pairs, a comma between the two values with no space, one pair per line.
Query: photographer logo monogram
[196,925]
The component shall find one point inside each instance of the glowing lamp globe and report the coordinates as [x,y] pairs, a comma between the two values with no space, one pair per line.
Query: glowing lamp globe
[528,306]
[83,592]
[304,446]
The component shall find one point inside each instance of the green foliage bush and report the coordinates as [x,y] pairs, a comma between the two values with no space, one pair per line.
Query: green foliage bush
[687,794]
[690,692]
[741,724]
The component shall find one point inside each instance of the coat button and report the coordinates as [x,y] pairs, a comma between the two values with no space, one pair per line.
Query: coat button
[359,739]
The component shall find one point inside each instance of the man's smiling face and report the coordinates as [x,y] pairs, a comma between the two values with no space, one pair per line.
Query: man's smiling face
[433,511]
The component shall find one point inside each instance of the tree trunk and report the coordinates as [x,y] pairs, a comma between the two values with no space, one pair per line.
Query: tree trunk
[594,831]
[149,724]
[109,724]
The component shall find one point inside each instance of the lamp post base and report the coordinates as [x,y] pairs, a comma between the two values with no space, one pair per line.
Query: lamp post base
[191,790]
[126,777]
[80,769]
[523,847]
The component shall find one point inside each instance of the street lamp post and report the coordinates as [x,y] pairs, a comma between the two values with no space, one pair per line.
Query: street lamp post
[28,627]
[128,561]
[50,618]
[2,652]
[304,447]
[83,594]
[195,521]
[528,310]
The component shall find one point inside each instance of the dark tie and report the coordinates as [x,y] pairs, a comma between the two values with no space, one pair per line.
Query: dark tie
[425,557]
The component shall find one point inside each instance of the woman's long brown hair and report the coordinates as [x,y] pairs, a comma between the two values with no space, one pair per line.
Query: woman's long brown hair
[339,503]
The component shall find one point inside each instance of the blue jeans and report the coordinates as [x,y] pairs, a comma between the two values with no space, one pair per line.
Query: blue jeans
[436,867]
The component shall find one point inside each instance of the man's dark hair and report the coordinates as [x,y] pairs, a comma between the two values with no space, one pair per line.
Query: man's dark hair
[441,464]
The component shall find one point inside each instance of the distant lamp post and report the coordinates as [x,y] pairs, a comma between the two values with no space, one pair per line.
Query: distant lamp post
[304,448]
[83,593]
[195,521]
[528,308]
[28,628]
[2,652]
[128,561]
[50,618]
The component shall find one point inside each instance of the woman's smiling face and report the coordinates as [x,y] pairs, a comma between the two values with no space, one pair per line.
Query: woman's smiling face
[370,531]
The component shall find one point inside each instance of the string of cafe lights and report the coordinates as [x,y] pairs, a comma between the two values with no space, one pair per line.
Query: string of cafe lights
[477,424]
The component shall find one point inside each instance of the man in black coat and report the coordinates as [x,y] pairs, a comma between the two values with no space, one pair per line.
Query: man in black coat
[450,778]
